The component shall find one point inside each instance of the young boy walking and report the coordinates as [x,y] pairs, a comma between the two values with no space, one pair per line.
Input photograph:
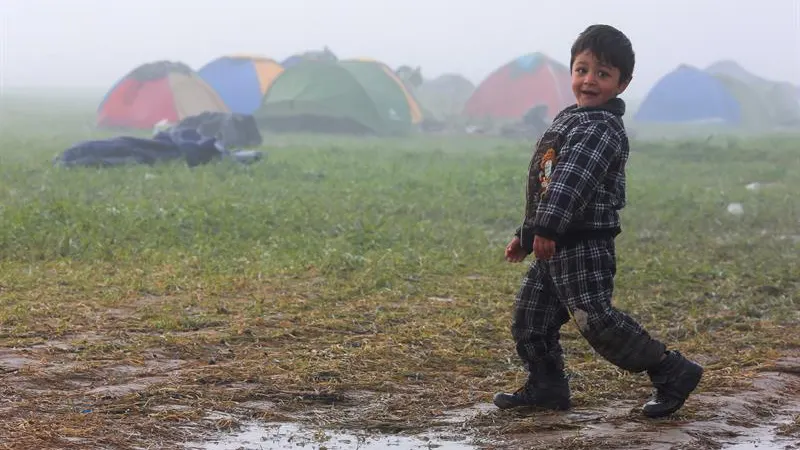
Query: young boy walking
[575,189]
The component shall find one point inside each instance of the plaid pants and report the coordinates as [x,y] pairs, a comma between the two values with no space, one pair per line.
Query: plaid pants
[578,282]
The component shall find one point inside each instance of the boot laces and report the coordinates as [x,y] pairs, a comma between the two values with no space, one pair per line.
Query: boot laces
[660,395]
[661,392]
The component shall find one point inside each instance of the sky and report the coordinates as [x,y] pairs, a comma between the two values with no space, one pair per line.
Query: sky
[93,43]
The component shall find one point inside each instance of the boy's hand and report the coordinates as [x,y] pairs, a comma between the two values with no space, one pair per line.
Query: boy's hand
[514,251]
[543,248]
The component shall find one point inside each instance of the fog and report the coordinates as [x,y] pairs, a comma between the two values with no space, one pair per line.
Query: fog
[92,43]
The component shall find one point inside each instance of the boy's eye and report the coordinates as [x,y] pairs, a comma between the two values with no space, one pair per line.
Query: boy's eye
[602,74]
[580,70]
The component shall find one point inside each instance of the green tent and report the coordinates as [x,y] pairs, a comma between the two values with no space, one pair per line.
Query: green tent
[755,110]
[764,102]
[342,96]
[763,106]
[783,104]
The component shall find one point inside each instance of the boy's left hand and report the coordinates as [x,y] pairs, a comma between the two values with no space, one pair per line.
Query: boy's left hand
[543,248]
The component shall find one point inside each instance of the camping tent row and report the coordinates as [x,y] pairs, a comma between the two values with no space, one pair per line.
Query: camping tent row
[322,93]
[358,95]
[725,94]
[171,91]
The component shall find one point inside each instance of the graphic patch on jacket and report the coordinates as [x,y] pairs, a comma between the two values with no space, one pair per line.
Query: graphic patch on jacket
[546,166]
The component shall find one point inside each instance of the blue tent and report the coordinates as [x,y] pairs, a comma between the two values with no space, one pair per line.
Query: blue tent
[688,94]
[241,80]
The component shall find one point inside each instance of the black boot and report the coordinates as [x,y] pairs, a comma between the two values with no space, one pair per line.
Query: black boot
[674,379]
[547,387]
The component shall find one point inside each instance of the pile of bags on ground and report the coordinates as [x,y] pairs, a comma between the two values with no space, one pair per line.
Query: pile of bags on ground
[200,139]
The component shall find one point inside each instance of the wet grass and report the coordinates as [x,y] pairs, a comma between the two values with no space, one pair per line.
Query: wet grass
[353,282]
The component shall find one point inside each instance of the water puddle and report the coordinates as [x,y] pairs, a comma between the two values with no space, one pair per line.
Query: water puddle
[765,438]
[756,445]
[765,417]
[286,436]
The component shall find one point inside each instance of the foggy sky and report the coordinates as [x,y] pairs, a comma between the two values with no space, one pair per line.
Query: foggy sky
[92,43]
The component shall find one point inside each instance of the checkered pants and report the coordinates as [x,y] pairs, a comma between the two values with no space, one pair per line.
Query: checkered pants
[578,283]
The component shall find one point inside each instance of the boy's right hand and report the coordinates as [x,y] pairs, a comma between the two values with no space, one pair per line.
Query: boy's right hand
[514,251]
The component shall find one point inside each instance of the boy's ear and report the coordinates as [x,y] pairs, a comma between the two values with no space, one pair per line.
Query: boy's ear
[623,85]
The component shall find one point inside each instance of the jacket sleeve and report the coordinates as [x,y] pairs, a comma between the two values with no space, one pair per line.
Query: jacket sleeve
[588,151]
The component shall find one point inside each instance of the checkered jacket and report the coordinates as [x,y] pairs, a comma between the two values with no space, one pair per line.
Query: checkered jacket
[576,178]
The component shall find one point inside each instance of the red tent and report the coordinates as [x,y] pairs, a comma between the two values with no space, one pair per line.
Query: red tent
[154,92]
[528,81]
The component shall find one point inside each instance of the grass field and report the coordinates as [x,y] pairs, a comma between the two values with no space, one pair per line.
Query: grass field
[353,283]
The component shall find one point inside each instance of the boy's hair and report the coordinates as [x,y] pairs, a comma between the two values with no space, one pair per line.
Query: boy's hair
[610,46]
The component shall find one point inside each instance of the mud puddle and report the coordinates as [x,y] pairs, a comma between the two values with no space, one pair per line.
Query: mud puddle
[286,436]
[54,377]
[767,417]
[771,437]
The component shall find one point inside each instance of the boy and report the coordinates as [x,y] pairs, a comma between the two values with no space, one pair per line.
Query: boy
[576,187]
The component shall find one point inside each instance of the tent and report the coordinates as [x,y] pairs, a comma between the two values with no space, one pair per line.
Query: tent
[413,104]
[795,94]
[241,81]
[688,94]
[754,106]
[157,91]
[292,61]
[528,81]
[732,69]
[445,96]
[311,55]
[777,98]
[345,96]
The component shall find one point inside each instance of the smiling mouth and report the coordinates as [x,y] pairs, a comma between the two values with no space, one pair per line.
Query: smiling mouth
[589,93]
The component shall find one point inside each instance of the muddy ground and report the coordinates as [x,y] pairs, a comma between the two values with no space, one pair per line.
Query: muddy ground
[51,398]
[765,417]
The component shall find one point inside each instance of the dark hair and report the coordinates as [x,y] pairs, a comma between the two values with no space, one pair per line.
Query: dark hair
[610,46]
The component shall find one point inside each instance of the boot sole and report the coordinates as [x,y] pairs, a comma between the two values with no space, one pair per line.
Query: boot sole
[554,405]
[663,413]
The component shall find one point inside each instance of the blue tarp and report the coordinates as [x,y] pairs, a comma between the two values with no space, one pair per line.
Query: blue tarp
[132,150]
[197,140]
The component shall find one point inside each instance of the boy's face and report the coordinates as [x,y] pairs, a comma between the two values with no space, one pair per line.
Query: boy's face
[594,83]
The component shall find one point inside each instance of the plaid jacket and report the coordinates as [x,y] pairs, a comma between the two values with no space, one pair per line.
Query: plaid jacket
[576,178]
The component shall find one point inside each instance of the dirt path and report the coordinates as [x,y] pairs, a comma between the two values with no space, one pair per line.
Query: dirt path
[764,418]
[767,417]
[53,399]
